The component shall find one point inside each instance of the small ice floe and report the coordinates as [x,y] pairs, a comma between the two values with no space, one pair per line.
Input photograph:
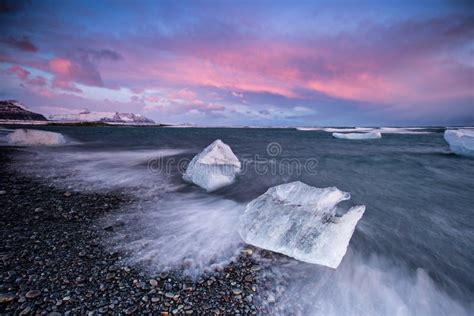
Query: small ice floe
[32,137]
[461,141]
[300,221]
[358,136]
[215,167]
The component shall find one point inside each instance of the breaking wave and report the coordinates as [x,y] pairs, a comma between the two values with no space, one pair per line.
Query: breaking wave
[360,286]
[191,232]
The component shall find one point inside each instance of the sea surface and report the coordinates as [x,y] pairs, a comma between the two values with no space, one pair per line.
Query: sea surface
[412,252]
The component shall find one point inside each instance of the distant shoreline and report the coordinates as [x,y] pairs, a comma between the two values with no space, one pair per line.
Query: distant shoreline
[161,125]
[57,123]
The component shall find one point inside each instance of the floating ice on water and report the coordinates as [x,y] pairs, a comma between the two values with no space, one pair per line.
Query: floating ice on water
[461,141]
[31,137]
[370,135]
[215,167]
[300,221]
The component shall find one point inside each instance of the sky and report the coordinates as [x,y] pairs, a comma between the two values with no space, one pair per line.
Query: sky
[238,63]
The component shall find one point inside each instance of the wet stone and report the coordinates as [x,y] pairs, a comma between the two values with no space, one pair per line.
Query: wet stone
[237,291]
[130,310]
[33,294]
[26,311]
[153,282]
[6,298]
[103,310]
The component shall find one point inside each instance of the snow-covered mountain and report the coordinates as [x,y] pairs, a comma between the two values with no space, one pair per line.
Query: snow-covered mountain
[15,110]
[107,117]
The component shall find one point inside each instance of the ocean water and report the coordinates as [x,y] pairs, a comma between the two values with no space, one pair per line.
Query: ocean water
[412,252]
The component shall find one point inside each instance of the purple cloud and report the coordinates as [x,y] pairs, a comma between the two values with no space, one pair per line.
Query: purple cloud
[23,44]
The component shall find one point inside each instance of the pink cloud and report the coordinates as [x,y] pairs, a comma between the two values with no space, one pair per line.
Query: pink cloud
[153,99]
[394,64]
[68,73]
[65,84]
[20,72]
[46,93]
[184,94]
[60,66]
[24,76]
[38,81]
[179,101]
[23,44]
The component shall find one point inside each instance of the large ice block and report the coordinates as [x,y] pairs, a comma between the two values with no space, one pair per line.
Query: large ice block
[300,221]
[215,167]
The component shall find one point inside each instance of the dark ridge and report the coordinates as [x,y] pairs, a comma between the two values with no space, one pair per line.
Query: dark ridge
[12,110]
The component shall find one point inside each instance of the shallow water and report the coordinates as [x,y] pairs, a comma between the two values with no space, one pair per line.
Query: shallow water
[411,252]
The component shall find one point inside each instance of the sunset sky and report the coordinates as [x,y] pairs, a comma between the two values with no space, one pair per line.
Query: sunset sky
[281,63]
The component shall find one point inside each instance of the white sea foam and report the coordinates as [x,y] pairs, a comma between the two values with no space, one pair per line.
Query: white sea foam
[309,128]
[348,130]
[336,129]
[402,130]
[193,232]
[164,229]
[104,170]
[358,136]
[360,286]
[31,137]
[382,130]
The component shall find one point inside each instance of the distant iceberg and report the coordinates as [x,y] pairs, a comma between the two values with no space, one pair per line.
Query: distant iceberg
[32,137]
[461,141]
[215,167]
[358,136]
[300,221]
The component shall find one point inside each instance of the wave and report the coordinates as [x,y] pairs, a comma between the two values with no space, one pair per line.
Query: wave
[191,232]
[342,130]
[164,229]
[360,286]
[104,170]
[383,130]
[357,136]
[6,130]
[401,130]
[309,128]
[335,130]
